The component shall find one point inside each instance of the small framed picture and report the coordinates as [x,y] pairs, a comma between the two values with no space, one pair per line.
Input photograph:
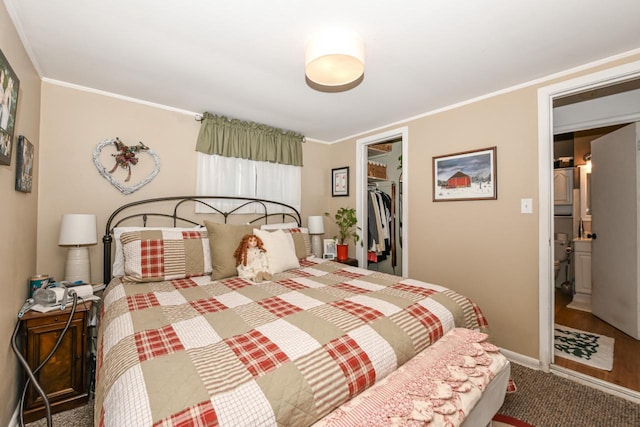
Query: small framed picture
[471,175]
[24,168]
[340,181]
[329,249]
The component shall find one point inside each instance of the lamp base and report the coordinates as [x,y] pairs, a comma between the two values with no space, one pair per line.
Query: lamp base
[316,245]
[78,266]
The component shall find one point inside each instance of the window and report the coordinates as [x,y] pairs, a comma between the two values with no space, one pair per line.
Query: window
[230,176]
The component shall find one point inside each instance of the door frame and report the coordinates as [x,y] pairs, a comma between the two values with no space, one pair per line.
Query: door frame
[546,95]
[361,193]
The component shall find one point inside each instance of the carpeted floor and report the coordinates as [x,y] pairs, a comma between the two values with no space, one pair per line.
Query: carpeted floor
[79,417]
[543,400]
[547,400]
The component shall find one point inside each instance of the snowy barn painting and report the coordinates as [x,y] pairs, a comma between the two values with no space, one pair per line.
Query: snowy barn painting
[470,175]
[459,180]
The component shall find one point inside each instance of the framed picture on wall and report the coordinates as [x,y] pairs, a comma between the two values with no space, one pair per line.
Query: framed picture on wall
[340,181]
[24,165]
[9,85]
[470,175]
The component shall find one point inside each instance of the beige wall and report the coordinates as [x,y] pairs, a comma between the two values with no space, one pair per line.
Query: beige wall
[341,155]
[316,180]
[74,122]
[486,250]
[18,213]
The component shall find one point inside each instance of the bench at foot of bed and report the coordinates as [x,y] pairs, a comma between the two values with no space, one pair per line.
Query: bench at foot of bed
[459,380]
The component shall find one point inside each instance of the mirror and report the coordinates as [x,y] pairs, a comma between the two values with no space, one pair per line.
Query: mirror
[585,192]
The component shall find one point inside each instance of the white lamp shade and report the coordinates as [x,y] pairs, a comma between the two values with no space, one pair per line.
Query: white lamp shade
[316,224]
[78,229]
[334,57]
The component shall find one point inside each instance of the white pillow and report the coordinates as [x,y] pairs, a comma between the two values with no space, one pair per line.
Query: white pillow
[118,258]
[279,226]
[281,252]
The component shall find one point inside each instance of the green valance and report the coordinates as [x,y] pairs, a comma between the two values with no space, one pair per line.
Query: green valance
[248,140]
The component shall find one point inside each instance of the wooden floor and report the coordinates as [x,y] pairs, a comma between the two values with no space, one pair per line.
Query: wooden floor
[626,362]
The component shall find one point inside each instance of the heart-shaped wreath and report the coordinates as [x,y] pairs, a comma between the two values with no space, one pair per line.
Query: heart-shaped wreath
[125,157]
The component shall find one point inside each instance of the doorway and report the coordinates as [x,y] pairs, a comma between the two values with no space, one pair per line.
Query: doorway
[609,148]
[382,174]
[546,97]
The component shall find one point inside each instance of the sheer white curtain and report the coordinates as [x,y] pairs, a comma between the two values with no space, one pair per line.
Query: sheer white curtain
[230,176]
[279,182]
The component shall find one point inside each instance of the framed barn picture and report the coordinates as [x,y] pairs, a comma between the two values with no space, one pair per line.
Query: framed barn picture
[470,175]
[9,85]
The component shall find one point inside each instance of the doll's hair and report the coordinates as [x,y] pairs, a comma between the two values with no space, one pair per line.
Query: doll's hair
[241,252]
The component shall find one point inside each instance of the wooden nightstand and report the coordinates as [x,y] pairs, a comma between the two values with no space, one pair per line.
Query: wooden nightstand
[349,261]
[64,377]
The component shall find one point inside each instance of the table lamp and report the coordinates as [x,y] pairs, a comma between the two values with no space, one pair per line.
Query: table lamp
[316,230]
[77,231]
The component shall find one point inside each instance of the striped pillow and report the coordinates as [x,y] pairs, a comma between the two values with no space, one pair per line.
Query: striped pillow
[300,235]
[301,241]
[156,255]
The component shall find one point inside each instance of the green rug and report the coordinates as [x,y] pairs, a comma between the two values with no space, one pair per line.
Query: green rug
[583,347]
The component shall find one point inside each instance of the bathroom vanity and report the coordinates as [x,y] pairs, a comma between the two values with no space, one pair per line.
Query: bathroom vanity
[582,256]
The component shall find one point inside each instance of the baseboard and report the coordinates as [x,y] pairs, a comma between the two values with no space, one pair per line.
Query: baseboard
[521,359]
[613,389]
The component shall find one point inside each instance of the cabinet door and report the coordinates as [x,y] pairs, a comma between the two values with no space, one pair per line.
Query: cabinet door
[63,376]
[583,272]
[563,186]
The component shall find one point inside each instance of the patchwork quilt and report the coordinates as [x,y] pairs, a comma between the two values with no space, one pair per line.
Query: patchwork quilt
[287,352]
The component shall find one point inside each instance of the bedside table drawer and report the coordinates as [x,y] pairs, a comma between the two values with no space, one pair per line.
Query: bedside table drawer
[64,376]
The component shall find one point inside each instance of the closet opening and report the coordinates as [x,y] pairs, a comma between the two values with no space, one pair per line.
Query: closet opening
[382,202]
[384,198]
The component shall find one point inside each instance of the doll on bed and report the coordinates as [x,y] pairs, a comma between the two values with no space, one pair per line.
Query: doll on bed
[251,259]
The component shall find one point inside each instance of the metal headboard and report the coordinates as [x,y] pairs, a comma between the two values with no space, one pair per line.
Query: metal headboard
[120,215]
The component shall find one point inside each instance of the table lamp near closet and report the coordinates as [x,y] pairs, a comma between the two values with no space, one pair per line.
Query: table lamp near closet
[78,231]
[316,230]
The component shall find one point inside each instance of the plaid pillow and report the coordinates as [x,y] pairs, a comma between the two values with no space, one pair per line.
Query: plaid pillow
[155,255]
[118,258]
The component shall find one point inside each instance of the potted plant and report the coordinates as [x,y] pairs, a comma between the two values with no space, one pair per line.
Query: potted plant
[346,220]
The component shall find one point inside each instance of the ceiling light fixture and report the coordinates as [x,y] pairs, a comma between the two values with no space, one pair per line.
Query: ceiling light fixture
[335,59]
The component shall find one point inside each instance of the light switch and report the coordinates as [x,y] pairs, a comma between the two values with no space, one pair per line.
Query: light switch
[526,206]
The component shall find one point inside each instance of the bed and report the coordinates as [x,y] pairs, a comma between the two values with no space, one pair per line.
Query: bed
[183,341]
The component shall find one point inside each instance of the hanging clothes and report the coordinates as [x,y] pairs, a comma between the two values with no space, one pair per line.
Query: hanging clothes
[379,225]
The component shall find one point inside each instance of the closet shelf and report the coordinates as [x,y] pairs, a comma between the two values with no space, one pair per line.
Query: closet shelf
[379,149]
[376,178]
[376,170]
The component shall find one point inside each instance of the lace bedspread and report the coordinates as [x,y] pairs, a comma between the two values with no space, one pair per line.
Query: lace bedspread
[438,387]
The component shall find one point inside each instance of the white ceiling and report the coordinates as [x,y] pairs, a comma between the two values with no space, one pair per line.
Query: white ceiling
[245,58]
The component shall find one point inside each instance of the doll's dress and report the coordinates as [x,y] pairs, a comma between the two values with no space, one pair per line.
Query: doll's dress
[256,263]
